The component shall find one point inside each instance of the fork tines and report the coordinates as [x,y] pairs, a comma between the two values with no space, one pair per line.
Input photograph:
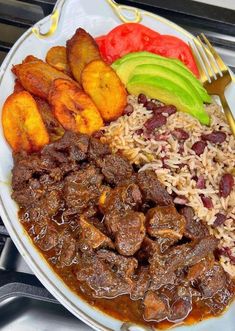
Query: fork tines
[209,63]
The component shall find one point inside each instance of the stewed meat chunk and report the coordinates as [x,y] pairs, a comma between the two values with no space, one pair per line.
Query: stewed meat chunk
[73,145]
[129,233]
[156,307]
[181,304]
[147,250]
[106,273]
[29,167]
[171,303]
[163,267]
[97,150]
[116,169]
[125,266]
[82,189]
[198,269]
[201,249]
[91,237]
[152,189]
[68,249]
[47,238]
[212,281]
[194,229]
[165,222]
[29,195]
[140,283]
[121,199]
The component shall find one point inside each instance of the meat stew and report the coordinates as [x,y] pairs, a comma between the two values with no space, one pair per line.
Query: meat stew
[115,236]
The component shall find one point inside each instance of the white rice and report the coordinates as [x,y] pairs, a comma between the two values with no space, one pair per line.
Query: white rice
[215,161]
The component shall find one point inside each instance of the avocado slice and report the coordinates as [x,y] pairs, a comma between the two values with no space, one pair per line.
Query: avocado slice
[127,63]
[167,92]
[164,72]
[129,56]
[134,55]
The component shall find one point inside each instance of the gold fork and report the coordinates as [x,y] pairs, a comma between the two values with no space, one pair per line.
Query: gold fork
[214,74]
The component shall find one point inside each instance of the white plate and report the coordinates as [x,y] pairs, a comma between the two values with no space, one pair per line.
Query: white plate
[97,17]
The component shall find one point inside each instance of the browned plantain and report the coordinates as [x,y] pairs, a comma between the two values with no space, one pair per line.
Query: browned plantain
[22,123]
[54,128]
[73,108]
[81,49]
[57,58]
[37,76]
[105,88]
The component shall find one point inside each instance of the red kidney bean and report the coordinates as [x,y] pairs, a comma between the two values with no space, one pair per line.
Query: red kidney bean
[155,122]
[226,185]
[180,134]
[201,183]
[150,105]
[98,134]
[142,98]
[170,110]
[215,137]
[128,110]
[207,202]
[219,220]
[226,251]
[198,147]
[139,131]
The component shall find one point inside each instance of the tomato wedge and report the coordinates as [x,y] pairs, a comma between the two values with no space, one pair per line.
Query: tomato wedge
[173,47]
[126,38]
[133,37]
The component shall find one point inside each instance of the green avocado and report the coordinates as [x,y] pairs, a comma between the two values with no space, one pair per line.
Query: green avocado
[129,56]
[169,74]
[134,55]
[168,92]
[129,62]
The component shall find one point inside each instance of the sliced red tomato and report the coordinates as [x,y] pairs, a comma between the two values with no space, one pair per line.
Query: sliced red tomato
[127,38]
[173,47]
[133,37]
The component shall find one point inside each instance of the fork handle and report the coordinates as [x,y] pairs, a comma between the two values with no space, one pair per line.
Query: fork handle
[228,113]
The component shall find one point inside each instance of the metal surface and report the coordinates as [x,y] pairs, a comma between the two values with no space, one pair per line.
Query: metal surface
[25,305]
[25,314]
[214,74]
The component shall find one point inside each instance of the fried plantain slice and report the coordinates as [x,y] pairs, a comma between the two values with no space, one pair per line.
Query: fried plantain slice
[105,88]
[53,126]
[37,76]
[73,108]
[22,123]
[31,58]
[57,58]
[81,49]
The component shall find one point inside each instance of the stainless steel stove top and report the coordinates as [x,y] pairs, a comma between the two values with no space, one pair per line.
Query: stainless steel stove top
[25,305]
